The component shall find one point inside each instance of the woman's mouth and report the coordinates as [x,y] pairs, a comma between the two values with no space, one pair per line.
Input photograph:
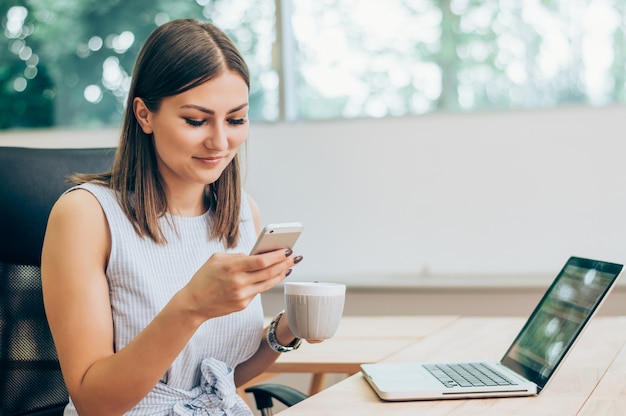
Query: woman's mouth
[211,161]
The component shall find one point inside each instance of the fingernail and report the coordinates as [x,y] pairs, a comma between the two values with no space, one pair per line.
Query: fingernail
[288,272]
[297,259]
[288,252]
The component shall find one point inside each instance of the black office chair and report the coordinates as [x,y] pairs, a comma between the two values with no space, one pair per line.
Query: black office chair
[30,182]
[265,393]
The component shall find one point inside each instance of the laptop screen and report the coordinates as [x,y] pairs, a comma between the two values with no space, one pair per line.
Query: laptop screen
[559,318]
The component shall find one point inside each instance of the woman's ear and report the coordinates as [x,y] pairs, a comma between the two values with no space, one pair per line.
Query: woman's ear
[142,114]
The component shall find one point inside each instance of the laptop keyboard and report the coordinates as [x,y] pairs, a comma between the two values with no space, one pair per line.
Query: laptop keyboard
[468,375]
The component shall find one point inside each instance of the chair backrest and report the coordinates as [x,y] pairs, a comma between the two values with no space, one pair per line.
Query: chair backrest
[31,180]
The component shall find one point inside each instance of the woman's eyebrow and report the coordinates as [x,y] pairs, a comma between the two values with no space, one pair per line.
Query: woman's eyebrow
[239,107]
[209,111]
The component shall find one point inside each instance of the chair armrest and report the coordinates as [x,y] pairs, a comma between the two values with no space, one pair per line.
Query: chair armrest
[264,393]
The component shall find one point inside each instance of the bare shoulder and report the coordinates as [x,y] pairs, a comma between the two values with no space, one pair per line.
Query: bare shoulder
[76,199]
[77,205]
[77,222]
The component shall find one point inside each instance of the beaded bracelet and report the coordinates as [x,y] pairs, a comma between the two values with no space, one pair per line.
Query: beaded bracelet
[273,342]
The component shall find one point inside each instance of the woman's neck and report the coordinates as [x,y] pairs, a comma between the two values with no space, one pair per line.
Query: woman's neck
[191,203]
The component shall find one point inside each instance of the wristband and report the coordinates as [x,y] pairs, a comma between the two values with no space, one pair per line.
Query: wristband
[273,342]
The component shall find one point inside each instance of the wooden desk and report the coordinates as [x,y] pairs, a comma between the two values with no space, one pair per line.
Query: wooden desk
[591,381]
[358,340]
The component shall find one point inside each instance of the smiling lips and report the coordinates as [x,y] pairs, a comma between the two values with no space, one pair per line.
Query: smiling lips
[210,160]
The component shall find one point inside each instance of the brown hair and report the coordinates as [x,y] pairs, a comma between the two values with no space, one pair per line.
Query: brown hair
[176,57]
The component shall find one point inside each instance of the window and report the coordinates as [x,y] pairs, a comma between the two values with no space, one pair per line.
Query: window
[368,58]
[68,63]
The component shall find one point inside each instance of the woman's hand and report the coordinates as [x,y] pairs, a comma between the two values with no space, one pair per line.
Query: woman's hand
[227,283]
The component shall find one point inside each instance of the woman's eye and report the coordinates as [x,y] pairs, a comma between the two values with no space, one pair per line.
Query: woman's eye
[237,121]
[195,123]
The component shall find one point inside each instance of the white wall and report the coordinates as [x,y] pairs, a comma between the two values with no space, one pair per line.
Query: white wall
[505,192]
[383,201]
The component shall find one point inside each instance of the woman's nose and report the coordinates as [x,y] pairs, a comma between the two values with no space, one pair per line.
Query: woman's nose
[217,138]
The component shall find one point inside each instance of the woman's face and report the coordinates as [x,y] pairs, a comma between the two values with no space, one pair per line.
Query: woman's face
[197,133]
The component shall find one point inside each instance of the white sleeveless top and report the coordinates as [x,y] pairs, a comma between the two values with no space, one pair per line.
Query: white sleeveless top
[143,276]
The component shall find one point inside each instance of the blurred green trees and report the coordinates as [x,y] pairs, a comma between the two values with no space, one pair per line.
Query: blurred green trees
[68,62]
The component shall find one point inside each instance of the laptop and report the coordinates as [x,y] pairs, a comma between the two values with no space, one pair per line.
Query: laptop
[530,362]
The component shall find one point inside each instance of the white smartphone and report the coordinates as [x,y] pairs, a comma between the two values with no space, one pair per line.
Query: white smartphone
[277,236]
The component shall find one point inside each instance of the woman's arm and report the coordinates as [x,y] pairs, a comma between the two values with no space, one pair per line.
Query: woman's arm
[76,296]
[264,356]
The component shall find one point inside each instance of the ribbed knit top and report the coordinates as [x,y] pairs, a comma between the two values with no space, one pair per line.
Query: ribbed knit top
[143,276]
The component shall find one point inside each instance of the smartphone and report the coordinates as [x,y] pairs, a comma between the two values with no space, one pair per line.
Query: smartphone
[277,236]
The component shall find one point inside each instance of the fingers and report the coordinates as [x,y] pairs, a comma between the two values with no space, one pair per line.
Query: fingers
[271,275]
[259,273]
[265,260]
[228,282]
[275,264]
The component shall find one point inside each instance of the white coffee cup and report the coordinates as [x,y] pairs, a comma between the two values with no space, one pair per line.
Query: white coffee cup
[314,309]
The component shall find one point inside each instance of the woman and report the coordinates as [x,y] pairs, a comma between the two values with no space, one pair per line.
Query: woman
[152,303]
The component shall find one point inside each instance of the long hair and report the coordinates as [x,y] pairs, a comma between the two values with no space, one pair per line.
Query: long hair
[176,57]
